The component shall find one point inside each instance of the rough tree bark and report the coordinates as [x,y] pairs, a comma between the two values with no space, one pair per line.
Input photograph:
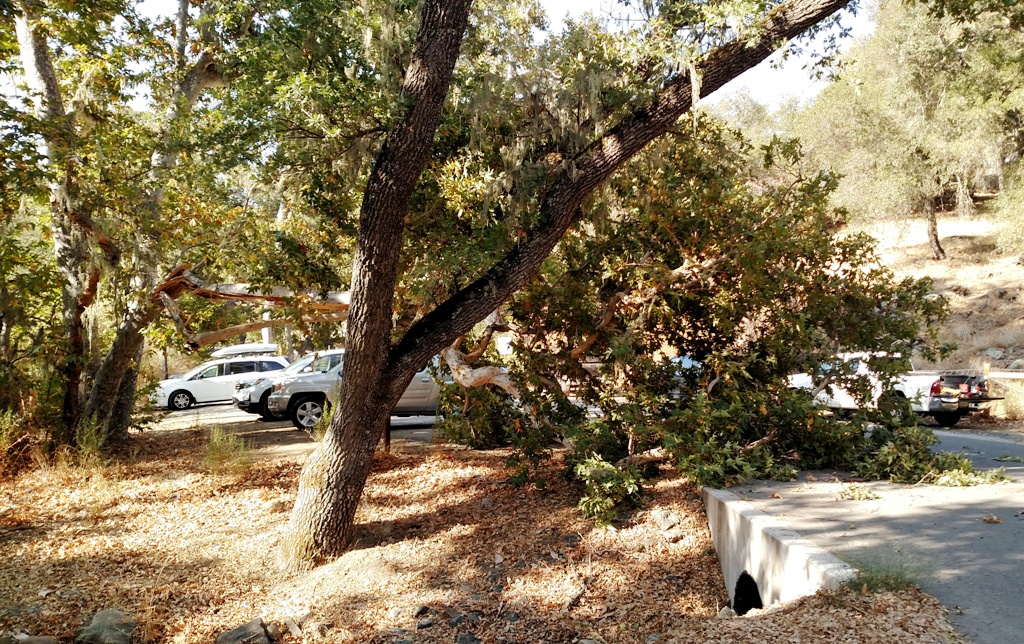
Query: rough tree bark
[333,478]
[79,278]
[377,372]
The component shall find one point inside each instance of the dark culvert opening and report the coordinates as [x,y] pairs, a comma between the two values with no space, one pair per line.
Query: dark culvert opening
[747,596]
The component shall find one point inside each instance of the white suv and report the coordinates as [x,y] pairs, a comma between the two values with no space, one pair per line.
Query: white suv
[212,381]
[251,394]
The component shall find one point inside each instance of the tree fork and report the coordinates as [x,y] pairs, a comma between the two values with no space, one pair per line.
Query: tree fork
[376,373]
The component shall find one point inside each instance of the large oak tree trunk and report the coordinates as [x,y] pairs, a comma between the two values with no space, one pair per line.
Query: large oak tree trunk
[333,479]
[377,372]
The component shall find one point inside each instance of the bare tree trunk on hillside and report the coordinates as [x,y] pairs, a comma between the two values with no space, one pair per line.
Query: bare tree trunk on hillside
[933,231]
[377,372]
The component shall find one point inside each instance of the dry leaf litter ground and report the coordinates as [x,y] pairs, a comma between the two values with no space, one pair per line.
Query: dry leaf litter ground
[191,554]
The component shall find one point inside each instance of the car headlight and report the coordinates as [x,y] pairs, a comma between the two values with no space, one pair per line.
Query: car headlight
[278,387]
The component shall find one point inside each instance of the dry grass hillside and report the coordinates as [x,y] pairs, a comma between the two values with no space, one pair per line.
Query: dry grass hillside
[984,286]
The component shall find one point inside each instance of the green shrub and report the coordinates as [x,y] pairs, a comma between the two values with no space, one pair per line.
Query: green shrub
[479,417]
[608,488]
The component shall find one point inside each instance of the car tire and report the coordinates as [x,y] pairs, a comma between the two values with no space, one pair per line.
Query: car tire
[180,400]
[947,418]
[263,410]
[306,413]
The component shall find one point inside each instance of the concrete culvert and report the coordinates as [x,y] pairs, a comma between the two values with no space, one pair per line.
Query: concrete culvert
[747,596]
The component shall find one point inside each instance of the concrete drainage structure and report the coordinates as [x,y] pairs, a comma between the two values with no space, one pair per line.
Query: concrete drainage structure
[784,565]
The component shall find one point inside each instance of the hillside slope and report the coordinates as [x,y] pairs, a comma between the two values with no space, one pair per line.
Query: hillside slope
[984,286]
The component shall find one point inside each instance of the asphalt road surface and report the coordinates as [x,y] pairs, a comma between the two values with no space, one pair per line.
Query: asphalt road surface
[964,546]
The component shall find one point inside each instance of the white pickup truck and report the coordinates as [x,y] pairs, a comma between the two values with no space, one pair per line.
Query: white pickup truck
[930,393]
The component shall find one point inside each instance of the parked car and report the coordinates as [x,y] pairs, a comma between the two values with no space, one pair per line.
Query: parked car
[212,381]
[304,397]
[251,394]
[945,396]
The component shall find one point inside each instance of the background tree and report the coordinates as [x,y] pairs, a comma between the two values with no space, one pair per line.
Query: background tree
[907,135]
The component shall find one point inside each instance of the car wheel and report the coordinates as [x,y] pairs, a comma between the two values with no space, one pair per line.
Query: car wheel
[263,410]
[306,413]
[180,400]
[947,418]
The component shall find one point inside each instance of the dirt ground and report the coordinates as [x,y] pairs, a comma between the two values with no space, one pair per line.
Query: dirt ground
[191,553]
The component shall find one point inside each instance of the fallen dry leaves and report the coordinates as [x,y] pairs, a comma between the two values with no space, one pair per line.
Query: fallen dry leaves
[192,554]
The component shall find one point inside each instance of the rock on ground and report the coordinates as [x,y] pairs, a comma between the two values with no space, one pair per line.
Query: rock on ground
[108,627]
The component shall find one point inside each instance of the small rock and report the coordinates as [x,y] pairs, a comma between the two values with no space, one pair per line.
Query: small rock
[652,638]
[303,618]
[108,627]
[487,503]
[995,353]
[466,638]
[512,617]
[292,627]
[426,622]
[395,613]
[455,621]
[1017,364]
[253,632]
[46,592]
[571,538]
[676,535]
[726,613]
[420,611]
[665,519]
[275,505]
[274,631]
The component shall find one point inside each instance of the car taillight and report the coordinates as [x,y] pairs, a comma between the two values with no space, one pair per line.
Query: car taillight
[936,388]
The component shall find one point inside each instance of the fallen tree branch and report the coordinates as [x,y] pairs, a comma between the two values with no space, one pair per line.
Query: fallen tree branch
[653,455]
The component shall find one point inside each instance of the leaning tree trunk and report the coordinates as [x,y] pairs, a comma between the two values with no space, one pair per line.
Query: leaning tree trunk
[115,380]
[124,403]
[933,231]
[333,479]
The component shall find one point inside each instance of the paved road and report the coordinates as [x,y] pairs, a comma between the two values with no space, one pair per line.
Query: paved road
[937,537]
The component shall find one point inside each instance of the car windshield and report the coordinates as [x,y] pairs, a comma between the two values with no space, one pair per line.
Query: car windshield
[324,364]
[299,364]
